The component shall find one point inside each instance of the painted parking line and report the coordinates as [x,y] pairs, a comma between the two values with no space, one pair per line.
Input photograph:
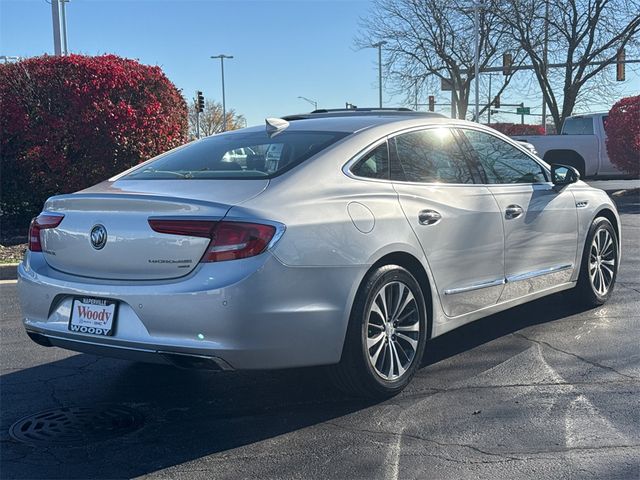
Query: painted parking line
[5,282]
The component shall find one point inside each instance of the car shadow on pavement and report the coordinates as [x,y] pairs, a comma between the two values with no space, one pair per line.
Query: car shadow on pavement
[189,414]
[548,309]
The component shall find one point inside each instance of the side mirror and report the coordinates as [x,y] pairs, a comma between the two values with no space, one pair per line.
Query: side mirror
[564,175]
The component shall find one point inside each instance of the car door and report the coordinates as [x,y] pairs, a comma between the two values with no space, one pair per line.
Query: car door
[456,221]
[540,221]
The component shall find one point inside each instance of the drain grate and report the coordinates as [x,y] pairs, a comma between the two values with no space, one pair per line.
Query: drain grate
[72,425]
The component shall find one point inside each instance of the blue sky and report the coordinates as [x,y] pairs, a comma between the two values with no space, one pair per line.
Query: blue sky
[282,49]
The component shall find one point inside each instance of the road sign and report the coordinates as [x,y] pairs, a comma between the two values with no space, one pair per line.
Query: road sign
[523,110]
[446,85]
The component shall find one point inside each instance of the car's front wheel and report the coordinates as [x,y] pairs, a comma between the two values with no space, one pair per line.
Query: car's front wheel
[599,266]
[386,334]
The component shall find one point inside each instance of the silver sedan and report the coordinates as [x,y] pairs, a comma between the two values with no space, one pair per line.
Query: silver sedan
[344,238]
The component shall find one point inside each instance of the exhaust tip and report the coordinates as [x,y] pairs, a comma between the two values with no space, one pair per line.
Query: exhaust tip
[199,362]
[39,339]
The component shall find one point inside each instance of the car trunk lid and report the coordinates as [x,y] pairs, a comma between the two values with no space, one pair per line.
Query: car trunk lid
[121,211]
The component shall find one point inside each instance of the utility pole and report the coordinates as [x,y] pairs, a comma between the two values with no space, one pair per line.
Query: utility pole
[545,52]
[222,56]
[63,27]
[379,45]
[59,19]
[476,18]
[55,17]
[490,102]
[454,111]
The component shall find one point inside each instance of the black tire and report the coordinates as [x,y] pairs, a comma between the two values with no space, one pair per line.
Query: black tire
[355,373]
[586,293]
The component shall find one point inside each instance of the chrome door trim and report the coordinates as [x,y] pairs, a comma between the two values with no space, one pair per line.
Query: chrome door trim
[538,273]
[509,279]
[470,288]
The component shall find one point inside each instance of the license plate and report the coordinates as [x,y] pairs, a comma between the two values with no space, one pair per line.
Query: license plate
[95,316]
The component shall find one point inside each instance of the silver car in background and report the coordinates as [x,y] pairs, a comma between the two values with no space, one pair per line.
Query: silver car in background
[345,238]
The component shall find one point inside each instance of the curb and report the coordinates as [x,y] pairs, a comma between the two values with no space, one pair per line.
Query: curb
[9,271]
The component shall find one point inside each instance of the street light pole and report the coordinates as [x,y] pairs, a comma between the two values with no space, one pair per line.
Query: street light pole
[312,102]
[222,56]
[379,45]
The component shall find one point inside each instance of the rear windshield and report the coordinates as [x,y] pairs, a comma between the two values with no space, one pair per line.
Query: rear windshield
[237,155]
[578,126]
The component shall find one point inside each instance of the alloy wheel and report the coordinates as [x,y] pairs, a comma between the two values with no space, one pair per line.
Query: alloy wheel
[602,261]
[393,330]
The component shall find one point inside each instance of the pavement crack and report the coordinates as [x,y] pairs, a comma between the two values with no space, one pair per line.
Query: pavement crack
[628,287]
[575,355]
[503,458]
[54,394]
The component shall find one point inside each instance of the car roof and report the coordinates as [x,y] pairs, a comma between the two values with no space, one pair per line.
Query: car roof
[354,120]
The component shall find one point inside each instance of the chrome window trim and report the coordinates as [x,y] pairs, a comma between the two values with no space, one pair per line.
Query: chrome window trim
[513,143]
[538,273]
[346,168]
[471,288]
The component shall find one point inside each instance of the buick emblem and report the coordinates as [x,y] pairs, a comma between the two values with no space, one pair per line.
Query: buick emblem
[98,237]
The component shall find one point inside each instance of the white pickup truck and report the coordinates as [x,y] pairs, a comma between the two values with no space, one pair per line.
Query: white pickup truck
[582,144]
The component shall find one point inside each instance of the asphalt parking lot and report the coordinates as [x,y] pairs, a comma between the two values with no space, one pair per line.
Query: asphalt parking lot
[545,390]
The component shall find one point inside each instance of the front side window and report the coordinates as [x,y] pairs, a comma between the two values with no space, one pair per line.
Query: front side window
[237,155]
[430,156]
[374,164]
[502,162]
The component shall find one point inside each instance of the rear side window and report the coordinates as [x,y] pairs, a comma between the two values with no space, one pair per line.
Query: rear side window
[237,155]
[578,126]
[501,161]
[375,164]
[430,156]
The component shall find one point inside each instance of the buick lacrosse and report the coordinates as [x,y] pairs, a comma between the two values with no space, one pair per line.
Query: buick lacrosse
[338,238]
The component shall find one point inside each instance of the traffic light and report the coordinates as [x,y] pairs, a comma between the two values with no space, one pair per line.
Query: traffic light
[496,101]
[620,66]
[507,62]
[199,102]
[432,103]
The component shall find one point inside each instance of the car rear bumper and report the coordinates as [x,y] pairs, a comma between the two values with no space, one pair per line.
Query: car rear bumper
[246,314]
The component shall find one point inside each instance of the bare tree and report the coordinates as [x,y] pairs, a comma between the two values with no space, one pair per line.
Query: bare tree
[434,38]
[584,35]
[211,119]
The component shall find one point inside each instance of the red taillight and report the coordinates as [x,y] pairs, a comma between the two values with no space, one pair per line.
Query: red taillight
[39,223]
[229,240]
[232,240]
[189,228]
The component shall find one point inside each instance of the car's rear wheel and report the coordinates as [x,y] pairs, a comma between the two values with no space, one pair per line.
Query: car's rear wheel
[386,334]
[599,264]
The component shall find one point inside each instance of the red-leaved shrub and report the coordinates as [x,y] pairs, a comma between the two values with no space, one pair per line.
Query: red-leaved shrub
[512,129]
[70,122]
[623,135]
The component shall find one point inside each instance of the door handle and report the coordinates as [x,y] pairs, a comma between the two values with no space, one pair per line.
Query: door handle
[429,217]
[513,211]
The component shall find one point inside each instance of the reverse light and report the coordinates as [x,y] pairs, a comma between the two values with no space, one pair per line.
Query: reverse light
[229,240]
[39,223]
